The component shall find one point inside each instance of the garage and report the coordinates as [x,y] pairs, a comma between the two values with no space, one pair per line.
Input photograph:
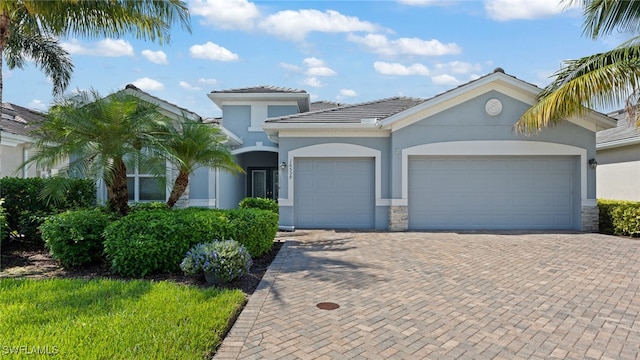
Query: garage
[493,192]
[334,193]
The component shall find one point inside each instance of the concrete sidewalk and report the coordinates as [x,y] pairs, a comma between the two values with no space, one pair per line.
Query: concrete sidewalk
[415,295]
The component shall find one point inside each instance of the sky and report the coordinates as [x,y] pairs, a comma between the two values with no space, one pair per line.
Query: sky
[341,51]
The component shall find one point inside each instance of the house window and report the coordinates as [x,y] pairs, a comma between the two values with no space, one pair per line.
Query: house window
[147,181]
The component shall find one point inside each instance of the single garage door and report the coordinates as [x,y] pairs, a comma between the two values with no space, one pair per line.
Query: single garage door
[334,193]
[513,192]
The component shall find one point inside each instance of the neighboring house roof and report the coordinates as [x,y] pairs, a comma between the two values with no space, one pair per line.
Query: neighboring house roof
[261,93]
[19,120]
[625,133]
[163,104]
[378,110]
[322,105]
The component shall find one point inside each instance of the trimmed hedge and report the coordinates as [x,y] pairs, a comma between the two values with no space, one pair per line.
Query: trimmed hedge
[259,203]
[75,237]
[253,228]
[153,241]
[26,211]
[619,217]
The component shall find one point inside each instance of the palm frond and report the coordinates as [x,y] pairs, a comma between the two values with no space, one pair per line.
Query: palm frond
[597,81]
[603,17]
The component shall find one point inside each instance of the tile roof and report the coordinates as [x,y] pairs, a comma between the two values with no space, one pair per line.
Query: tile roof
[323,105]
[625,129]
[379,109]
[135,88]
[260,89]
[19,120]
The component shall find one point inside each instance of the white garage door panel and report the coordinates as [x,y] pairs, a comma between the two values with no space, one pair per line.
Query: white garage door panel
[491,192]
[334,193]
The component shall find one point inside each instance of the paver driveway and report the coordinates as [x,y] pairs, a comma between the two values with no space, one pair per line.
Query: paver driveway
[444,296]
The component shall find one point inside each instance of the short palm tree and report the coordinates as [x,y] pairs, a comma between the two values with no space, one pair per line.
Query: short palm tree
[602,80]
[192,145]
[98,136]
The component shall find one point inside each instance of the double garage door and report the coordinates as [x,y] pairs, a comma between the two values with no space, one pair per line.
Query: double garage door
[472,192]
[515,192]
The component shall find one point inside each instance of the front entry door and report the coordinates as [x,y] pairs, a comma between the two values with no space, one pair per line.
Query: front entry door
[263,182]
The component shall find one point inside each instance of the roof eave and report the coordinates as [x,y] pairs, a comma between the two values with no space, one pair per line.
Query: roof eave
[618,143]
[302,99]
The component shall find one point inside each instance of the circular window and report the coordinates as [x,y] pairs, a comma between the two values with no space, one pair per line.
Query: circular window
[493,107]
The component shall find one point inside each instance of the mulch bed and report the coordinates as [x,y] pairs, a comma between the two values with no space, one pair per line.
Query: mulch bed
[21,259]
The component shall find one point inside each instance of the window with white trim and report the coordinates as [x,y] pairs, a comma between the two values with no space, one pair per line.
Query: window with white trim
[145,185]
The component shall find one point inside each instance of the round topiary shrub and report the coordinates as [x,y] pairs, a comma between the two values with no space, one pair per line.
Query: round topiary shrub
[75,237]
[254,228]
[222,261]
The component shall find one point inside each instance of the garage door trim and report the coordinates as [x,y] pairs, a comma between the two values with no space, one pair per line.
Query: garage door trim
[494,148]
[333,150]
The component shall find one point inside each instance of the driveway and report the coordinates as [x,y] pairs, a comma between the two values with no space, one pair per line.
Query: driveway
[415,295]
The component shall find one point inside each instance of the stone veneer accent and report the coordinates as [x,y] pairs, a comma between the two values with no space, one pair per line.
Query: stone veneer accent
[398,218]
[590,218]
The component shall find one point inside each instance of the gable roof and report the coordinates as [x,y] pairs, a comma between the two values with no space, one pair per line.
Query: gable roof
[323,104]
[625,133]
[356,113]
[163,104]
[19,120]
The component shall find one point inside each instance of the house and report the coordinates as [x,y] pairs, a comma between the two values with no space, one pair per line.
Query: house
[618,156]
[449,162]
[15,142]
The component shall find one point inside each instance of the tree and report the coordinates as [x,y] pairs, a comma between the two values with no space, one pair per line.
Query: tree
[98,136]
[602,80]
[29,29]
[192,145]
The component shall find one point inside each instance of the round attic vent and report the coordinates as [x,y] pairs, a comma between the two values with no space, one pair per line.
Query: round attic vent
[493,107]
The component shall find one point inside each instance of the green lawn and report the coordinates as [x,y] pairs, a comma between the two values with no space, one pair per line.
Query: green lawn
[112,319]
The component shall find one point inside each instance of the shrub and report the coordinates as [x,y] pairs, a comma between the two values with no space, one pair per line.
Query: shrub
[3,220]
[156,205]
[619,217]
[26,211]
[75,237]
[259,203]
[224,260]
[253,228]
[146,242]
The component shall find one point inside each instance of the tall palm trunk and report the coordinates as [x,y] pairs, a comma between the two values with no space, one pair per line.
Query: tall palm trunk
[179,186]
[117,189]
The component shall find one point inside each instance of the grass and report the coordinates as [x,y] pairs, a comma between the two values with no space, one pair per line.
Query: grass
[112,319]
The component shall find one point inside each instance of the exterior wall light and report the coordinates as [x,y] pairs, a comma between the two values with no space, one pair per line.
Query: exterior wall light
[593,163]
[283,165]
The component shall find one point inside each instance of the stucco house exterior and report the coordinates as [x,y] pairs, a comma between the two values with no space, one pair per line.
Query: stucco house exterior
[16,144]
[449,162]
[618,156]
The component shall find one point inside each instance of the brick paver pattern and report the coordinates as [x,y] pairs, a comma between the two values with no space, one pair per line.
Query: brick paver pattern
[416,295]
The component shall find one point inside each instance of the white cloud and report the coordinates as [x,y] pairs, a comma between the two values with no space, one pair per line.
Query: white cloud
[378,43]
[445,80]
[317,67]
[386,68]
[347,93]
[226,14]
[208,81]
[103,48]
[458,67]
[37,104]
[290,67]
[295,25]
[186,85]
[148,84]
[212,51]
[505,10]
[313,82]
[158,57]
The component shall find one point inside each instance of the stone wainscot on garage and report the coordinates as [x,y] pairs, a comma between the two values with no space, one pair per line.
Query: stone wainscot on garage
[453,161]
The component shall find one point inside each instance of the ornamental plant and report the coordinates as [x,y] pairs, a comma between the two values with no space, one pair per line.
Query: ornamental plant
[225,260]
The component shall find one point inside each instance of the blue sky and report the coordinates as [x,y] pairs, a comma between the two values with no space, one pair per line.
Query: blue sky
[344,51]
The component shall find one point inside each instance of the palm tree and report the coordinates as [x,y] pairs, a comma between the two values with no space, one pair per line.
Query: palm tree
[29,28]
[602,80]
[99,136]
[192,145]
